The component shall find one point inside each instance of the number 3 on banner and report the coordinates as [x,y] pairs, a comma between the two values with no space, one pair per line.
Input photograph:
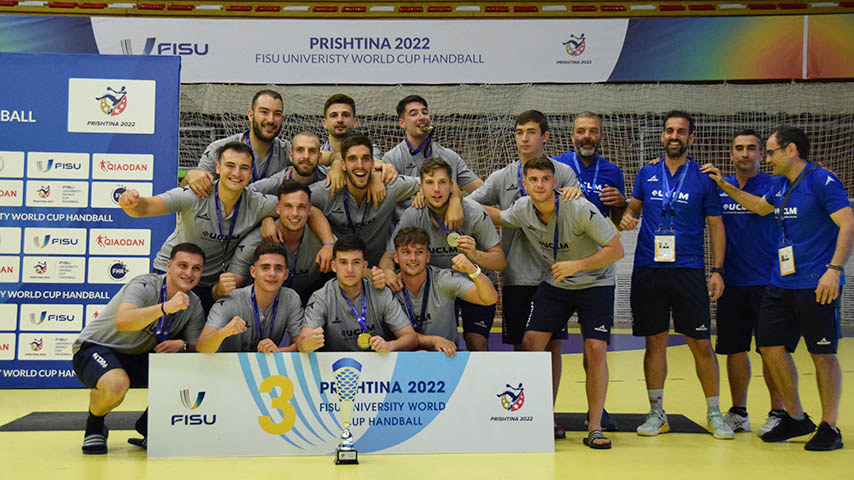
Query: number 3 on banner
[282,403]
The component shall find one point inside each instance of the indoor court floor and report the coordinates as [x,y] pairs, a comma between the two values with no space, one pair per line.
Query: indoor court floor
[57,455]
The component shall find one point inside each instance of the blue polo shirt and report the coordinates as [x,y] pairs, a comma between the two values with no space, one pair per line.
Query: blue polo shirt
[751,240]
[594,181]
[808,226]
[697,199]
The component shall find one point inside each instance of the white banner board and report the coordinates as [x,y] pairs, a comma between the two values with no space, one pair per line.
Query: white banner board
[253,404]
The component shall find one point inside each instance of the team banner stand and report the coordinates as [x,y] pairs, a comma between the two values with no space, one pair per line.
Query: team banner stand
[75,132]
[255,404]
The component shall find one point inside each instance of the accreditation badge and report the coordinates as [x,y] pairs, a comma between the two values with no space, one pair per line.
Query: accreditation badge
[786,256]
[665,248]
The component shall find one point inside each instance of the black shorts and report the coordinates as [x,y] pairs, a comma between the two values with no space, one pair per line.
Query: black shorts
[737,318]
[92,361]
[516,303]
[554,306]
[656,292]
[476,318]
[786,314]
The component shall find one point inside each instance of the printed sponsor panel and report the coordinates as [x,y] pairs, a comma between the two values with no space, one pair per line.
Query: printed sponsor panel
[45,346]
[100,105]
[10,269]
[119,241]
[106,194]
[68,241]
[53,269]
[59,165]
[93,312]
[53,193]
[7,346]
[11,164]
[10,240]
[11,193]
[409,402]
[116,270]
[51,317]
[8,314]
[122,166]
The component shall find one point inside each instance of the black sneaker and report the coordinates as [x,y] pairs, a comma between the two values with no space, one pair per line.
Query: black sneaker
[608,424]
[825,438]
[789,428]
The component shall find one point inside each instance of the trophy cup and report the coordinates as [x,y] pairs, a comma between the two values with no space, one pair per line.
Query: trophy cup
[347,373]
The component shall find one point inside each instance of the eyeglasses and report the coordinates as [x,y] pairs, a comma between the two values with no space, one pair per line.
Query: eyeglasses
[772,151]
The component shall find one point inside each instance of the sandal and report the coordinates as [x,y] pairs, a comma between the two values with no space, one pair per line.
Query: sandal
[559,432]
[590,440]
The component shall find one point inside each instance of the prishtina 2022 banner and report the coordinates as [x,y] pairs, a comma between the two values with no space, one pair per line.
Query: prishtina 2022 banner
[355,51]
[255,404]
[75,132]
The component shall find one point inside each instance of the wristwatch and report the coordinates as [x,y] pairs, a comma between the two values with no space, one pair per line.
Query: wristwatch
[718,270]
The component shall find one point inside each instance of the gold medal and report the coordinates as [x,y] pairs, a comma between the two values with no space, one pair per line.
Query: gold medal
[364,341]
[453,239]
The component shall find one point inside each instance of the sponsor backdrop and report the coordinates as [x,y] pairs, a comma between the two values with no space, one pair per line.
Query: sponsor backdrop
[76,130]
[254,404]
[460,51]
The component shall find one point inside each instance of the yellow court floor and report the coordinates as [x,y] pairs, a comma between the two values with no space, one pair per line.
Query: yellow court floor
[695,456]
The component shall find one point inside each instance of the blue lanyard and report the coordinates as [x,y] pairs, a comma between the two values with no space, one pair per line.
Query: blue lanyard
[667,193]
[226,240]
[355,227]
[577,169]
[266,162]
[439,222]
[160,333]
[557,225]
[364,316]
[426,146]
[425,297]
[786,192]
[522,191]
[293,267]
[272,316]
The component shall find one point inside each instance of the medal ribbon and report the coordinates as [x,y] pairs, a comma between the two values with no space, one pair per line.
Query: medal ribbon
[160,333]
[578,173]
[557,227]
[426,146]
[787,190]
[424,300]
[225,241]
[272,316]
[667,194]
[356,228]
[266,162]
[364,316]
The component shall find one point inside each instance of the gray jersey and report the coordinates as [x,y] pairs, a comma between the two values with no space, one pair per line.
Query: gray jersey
[582,231]
[440,317]
[476,223]
[198,224]
[372,225]
[300,277]
[276,161]
[376,152]
[270,186]
[238,303]
[408,164]
[142,291]
[328,308]
[502,188]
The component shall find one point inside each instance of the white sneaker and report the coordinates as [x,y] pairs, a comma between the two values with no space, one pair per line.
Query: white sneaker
[656,422]
[774,418]
[737,422]
[716,425]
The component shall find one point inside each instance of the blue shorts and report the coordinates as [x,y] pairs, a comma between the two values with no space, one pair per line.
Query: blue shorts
[786,314]
[516,304]
[554,306]
[738,318]
[476,318]
[656,292]
[92,361]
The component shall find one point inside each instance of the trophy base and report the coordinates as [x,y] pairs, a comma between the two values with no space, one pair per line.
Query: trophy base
[346,457]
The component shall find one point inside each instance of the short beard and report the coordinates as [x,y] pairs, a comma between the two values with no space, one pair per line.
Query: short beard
[259,133]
